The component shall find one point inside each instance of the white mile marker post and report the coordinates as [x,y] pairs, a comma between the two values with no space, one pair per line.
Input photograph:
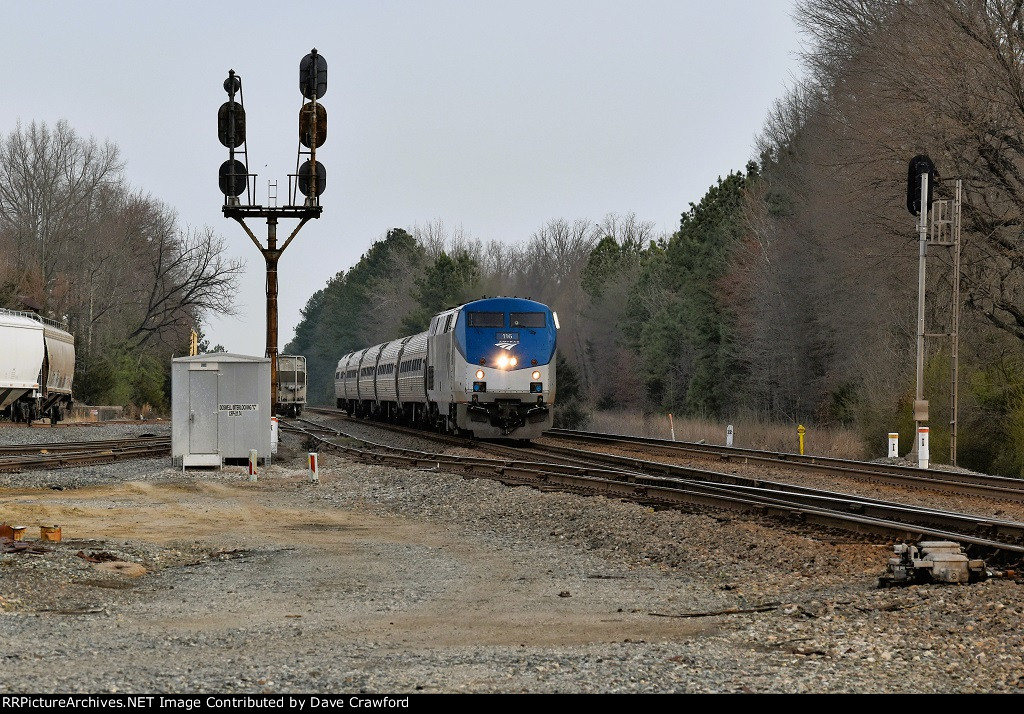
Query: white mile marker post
[894,445]
[922,447]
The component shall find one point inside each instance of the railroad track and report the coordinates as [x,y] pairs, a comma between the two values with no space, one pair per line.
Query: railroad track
[25,457]
[45,423]
[690,488]
[890,474]
[941,481]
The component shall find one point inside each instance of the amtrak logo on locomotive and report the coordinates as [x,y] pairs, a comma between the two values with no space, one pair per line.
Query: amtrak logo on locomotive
[507,340]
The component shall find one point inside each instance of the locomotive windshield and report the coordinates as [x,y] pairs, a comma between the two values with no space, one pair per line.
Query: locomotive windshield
[528,319]
[517,331]
[487,319]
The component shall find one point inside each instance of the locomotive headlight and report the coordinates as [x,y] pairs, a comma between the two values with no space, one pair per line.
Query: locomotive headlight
[512,361]
[503,361]
[536,375]
[479,374]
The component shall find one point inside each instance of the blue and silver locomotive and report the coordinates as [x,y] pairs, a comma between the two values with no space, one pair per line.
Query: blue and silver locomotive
[486,369]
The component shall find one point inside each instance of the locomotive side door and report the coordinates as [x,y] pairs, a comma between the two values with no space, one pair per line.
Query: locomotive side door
[443,360]
[439,362]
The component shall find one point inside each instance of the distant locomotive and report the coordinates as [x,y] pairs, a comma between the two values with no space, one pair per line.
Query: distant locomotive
[37,365]
[484,369]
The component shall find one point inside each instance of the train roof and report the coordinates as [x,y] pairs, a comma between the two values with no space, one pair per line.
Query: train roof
[502,303]
[221,357]
[8,319]
[16,318]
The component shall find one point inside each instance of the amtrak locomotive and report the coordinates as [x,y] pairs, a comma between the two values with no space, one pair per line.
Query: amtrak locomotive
[483,369]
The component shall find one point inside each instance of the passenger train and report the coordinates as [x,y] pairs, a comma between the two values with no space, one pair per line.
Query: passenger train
[484,369]
[37,366]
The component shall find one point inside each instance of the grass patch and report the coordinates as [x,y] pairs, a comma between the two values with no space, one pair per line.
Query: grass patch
[838,443]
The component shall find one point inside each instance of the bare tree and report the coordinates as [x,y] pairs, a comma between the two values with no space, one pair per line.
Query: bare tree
[827,277]
[111,262]
[50,180]
[944,77]
[393,296]
[182,274]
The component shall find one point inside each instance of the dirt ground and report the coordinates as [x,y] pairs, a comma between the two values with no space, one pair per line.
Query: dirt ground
[310,564]
[378,579]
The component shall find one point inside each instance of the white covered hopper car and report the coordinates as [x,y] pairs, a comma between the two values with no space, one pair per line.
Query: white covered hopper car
[37,366]
[291,385]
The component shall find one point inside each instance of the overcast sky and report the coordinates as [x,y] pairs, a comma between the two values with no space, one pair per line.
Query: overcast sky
[495,117]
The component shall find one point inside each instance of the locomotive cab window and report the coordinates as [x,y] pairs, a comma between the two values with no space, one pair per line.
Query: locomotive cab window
[486,319]
[528,319]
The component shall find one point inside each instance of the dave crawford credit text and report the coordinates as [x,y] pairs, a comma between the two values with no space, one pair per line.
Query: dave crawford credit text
[298,703]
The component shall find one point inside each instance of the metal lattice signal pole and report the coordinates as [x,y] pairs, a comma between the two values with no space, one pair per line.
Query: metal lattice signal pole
[945,232]
[310,179]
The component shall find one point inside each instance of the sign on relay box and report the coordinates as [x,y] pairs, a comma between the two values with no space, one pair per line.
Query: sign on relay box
[234,410]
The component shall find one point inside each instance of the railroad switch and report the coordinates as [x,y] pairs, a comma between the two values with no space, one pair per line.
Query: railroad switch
[933,561]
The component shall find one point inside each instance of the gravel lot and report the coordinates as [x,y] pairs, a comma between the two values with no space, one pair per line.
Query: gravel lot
[391,581]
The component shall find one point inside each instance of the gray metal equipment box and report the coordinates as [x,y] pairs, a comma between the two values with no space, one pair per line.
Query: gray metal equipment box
[220,408]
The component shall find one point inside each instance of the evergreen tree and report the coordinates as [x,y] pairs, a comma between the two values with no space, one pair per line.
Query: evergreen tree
[337,319]
[449,281]
[678,325]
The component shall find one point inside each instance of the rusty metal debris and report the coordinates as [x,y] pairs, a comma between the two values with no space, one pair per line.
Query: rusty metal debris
[51,534]
[9,546]
[228,554]
[727,611]
[97,556]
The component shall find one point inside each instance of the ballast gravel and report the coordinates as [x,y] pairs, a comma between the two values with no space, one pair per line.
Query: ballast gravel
[389,580]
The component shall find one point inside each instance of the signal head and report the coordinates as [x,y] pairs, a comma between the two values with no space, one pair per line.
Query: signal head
[306,178]
[233,177]
[233,83]
[313,75]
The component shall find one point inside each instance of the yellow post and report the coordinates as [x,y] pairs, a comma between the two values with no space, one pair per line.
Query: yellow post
[193,345]
[800,431]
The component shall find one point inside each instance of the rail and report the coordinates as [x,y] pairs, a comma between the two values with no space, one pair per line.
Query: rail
[27,457]
[700,488]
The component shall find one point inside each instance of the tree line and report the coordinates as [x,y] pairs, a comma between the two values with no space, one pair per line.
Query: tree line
[826,268]
[786,293]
